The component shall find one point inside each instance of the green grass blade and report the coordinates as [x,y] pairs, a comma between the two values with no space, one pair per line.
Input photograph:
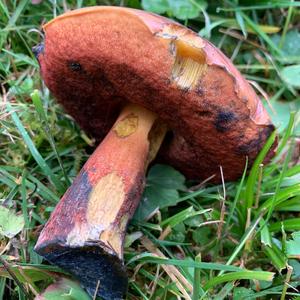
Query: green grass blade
[265,236]
[263,6]
[282,195]
[288,225]
[250,185]
[240,21]
[24,199]
[287,133]
[39,108]
[34,152]
[263,35]
[257,275]
[236,198]
[243,241]
[225,291]
[3,9]
[17,12]
[278,186]
[286,25]
[182,216]
[197,289]
[32,183]
[146,257]
[278,259]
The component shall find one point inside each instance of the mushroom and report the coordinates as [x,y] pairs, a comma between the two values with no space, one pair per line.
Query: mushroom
[142,84]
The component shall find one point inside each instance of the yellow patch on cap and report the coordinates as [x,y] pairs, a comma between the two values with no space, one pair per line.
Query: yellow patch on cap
[190,60]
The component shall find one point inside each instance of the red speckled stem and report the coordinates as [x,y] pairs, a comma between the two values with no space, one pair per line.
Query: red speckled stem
[85,233]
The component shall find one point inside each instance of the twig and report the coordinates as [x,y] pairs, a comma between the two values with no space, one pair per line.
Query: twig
[286,283]
[172,271]
[223,207]
[165,233]
[96,290]
[201,184]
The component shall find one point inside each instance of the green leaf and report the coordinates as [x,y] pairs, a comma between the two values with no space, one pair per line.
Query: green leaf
[181,9]
[163,183]
[290,47]
[295,264]
[134,4]
[202,236]
[184,10]
[242,293]
[291,75]
[10,223]
[64,289]
[178,234]
[165,177]
[293,246]
[156,6]
[155,198]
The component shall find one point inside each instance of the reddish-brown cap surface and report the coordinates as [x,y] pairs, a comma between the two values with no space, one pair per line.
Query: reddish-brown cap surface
[95,60]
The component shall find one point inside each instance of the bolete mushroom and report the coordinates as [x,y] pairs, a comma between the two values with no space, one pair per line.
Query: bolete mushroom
[131,76]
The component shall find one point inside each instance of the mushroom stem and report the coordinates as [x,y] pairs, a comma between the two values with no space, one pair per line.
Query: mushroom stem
[85,233]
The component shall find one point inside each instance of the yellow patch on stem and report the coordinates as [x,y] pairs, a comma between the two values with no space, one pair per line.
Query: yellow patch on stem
[155,138]
[113,237]
[127,126]
[105,201]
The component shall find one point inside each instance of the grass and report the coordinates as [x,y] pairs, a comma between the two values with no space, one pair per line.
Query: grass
[232,241]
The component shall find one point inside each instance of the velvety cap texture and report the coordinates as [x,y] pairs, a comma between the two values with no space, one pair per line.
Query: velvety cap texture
[96,60]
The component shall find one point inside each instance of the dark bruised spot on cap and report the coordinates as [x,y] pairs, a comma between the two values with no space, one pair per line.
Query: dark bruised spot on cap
[74,66]
[247,148]
[39,48]
[223,120]
[257,143]
[204,113]
[267,131]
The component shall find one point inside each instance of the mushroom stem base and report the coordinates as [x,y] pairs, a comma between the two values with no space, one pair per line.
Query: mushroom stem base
[85,233]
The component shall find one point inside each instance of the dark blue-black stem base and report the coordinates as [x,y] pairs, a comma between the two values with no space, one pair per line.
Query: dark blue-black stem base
[92,266]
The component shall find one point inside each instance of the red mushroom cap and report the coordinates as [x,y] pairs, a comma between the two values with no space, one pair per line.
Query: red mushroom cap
[95,60]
